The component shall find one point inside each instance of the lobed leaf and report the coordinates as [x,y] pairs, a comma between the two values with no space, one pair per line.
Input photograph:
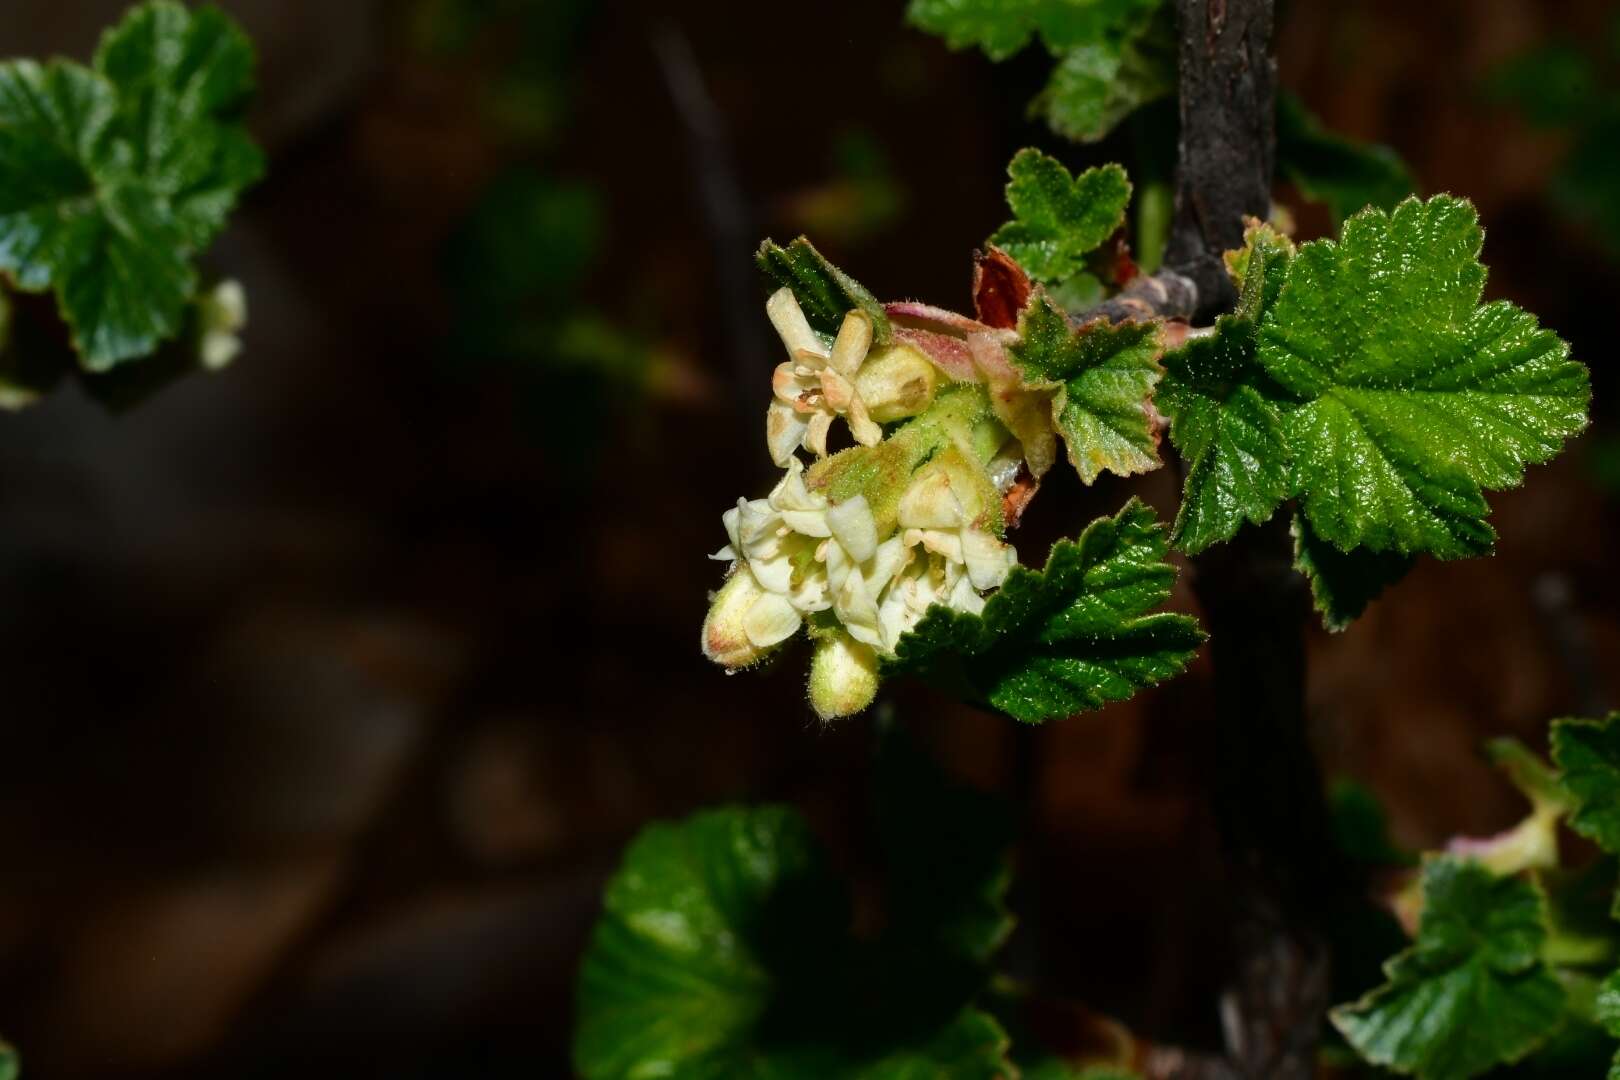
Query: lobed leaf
[1103,376]
[1070,637]
[1472,992]
[112,179]
[1410,396]
[1058,218]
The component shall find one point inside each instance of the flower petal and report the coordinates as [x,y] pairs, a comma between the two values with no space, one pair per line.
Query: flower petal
[854,527]
[850,348]
[771,621]
[784,431]
[791,325]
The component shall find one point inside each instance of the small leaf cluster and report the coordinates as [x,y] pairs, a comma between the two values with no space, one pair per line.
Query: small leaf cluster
[116,176]
[725,948]
[1513,959]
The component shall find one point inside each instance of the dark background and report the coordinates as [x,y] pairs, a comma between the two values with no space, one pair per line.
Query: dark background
[331,686]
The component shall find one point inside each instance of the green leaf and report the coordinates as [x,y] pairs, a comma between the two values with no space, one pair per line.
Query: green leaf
[1103,375]
[825,293]
[1074,636]
[1343,583]
[1410,395]
[1002,27]
[1588,753]
[112,180]
[699,924]
[1225,412]
[723,953]
[1329,168]
[1472,992]
[9,1069]
[1059,218]
[1099,83]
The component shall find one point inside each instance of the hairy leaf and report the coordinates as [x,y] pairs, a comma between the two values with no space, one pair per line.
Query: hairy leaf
[1057,218]
[1410,395]
[1588,753]
[1329,168]
[1472,992]
[1103,376]
[722,952]
[1343,583]
[112,179]
[1070,637]
[825,293]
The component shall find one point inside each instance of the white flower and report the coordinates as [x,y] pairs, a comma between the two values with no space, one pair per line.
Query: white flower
[802,554]
[221,315]
[815,385]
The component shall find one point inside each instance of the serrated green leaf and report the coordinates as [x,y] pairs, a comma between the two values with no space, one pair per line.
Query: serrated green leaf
[1472,992]
[1059,218]
[825,293]
[1002,27]
[1588,754]
[723,953]
[1328,168]
[1225,412]
[1099,83]
[1103,375]
[1070,637]
[1411,396]
[112,179]
[1343,583]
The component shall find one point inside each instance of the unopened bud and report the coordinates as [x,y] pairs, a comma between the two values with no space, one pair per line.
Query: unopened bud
[843,677]
[221,315]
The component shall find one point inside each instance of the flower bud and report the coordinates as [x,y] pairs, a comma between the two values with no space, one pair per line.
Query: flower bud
[745,623]
[221,315]
[896,382]
[843,677]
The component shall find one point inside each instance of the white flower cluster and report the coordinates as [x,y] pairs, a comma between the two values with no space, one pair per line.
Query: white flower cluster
[800,554]
[797,556]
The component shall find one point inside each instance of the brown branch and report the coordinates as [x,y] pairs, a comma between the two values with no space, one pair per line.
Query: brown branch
[1267,791]
[1228,104]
